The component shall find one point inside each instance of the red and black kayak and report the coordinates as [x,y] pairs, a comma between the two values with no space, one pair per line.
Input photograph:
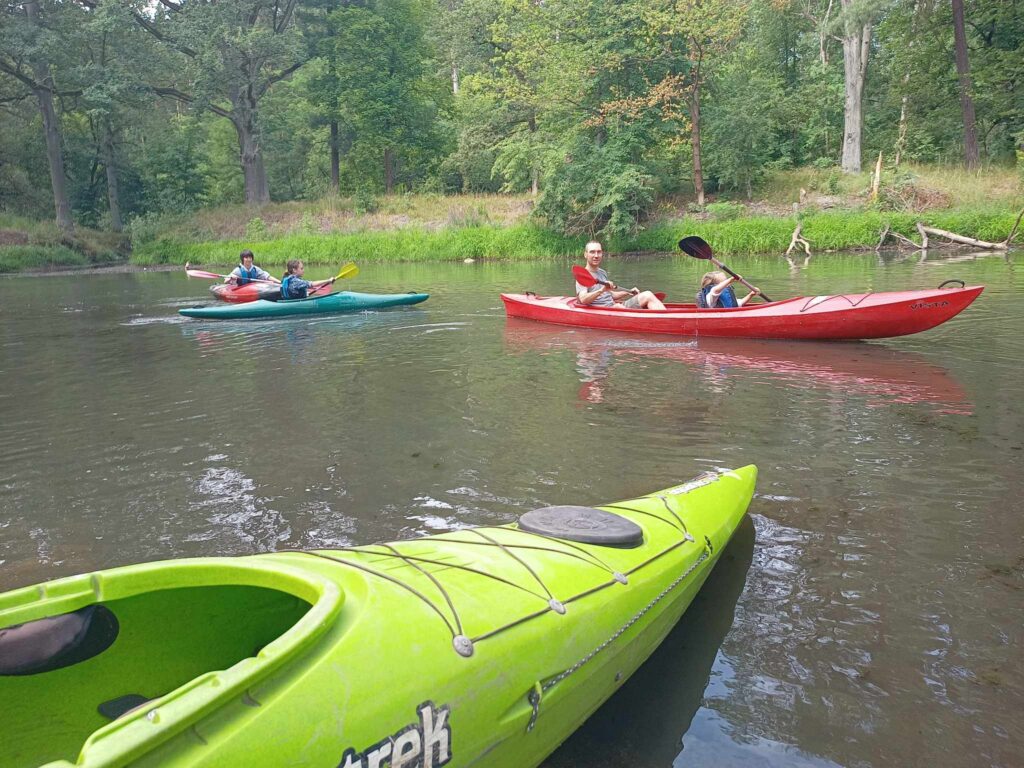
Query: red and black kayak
[239,294]
[842,316]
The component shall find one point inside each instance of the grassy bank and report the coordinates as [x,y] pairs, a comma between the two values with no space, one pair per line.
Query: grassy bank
[832,206]
[842,230]
[27,244]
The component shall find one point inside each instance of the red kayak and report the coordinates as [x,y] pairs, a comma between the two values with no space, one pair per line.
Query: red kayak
[845,316]
[238,294]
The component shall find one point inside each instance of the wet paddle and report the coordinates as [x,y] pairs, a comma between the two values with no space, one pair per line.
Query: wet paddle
[214,276]
[584,278]
[699,249]
[349,270]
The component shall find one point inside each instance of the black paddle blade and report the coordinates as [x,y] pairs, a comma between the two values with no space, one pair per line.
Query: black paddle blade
[696,247]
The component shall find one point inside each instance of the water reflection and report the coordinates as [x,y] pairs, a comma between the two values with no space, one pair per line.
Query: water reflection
[664,714]
[879,374]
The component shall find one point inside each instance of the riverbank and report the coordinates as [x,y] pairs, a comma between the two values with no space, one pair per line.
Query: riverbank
[846,230]
[832,207]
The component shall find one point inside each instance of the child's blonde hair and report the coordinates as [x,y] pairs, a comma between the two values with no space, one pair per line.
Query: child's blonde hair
[713,278]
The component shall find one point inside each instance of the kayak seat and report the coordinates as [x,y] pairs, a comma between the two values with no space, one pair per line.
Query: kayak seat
[585,525]
[55,642]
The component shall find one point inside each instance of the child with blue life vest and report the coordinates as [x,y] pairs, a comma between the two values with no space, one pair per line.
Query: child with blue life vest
[292,284]
[716,292]
[246,271]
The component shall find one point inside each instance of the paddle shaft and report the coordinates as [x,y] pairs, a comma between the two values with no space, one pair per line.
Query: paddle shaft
[583,277]
[729,272]
[699,249]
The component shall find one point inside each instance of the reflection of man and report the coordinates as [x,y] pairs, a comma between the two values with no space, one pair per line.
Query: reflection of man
[593,367]
[605,293]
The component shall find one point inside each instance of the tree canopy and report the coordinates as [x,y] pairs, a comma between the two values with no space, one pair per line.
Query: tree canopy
[597,107]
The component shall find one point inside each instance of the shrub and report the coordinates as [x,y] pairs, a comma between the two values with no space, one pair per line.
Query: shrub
[725,210]
[256,229]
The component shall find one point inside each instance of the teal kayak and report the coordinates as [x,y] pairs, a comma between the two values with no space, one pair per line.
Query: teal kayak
[481,647]
[331,304]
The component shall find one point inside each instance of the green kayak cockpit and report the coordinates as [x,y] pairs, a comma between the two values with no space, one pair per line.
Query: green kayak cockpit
[143,651]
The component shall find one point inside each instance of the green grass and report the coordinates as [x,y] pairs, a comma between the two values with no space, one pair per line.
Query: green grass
[15,258]
[29,244]
[517,242]
[841,230]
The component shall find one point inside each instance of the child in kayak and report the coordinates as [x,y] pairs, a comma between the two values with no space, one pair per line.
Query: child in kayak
[716,292]
[292,284]
[605,293]
[246,271]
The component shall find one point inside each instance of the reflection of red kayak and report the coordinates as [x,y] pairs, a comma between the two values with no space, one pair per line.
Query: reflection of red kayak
[850,316]
[239,294]
[884,375]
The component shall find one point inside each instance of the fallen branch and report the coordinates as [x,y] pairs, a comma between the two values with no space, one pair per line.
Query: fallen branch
[901,239]
[924,236]
[1009,237]
[882,237]
[954,237]
[797,240]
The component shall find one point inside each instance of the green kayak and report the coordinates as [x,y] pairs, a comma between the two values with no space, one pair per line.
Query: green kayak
[331,304]
[484,647]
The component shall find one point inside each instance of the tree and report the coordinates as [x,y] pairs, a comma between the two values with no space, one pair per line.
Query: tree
[963,71]
[26,48]
[856,20]
[234,51]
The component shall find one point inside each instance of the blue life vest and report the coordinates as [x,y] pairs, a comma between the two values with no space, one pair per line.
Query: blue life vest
[726,299]
[245,275]
[286,291]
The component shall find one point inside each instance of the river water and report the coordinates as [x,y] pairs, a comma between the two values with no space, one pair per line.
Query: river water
[870,613]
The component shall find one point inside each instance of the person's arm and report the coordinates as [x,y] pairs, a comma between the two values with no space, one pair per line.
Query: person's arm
[749,296]
[264,275]
[588,298]
[233,276]
[715,292]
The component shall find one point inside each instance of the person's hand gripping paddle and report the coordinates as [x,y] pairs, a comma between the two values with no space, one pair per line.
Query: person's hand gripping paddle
[587,280]
[699,249]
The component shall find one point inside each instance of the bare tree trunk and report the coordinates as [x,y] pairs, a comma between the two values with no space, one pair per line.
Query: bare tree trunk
[901,135]
[698,171]
[856,43]
[335,159]
[455,77]
[389,171]
[963,71]
[244,117]
[113,187]
[43,90]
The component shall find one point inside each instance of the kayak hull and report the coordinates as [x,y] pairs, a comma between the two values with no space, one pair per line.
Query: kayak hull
[482,646]
[331,304]
[849,316]
[240,294]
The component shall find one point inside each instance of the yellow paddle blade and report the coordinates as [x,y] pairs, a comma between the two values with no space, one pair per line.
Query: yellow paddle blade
[349,270]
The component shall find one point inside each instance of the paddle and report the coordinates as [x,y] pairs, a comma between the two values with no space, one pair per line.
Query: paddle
[584,278]
[214,276]
[699,249]
[349,270]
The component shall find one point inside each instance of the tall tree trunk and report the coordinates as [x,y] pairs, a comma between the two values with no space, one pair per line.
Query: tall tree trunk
[901,135]
[43,90]
[856,43]
[455,77]
[245,119]
[963,71]
[335,159]
[389,171]
[113,188]
[698,171]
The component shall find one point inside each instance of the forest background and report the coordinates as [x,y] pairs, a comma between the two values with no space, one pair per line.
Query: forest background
[170,126]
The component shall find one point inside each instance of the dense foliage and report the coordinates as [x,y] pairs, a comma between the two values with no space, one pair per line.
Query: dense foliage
[600,107]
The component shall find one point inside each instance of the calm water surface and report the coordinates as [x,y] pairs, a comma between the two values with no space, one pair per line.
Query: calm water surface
[870,614]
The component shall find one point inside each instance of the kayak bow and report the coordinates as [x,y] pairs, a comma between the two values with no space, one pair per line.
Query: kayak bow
[473,647]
